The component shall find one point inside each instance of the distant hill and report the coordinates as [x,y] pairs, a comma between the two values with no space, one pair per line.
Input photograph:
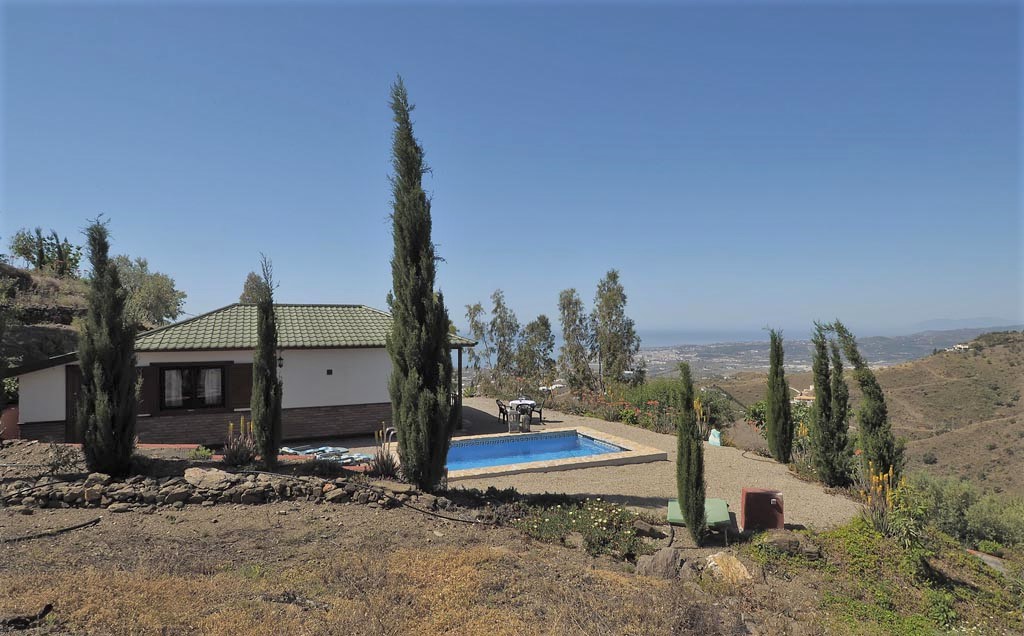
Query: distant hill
[729,358]
[964,409]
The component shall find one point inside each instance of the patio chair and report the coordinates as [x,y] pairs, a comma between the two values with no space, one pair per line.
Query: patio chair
[502,411]
[539,408]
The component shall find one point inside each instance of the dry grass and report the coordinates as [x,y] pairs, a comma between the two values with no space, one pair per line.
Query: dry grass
[351,571]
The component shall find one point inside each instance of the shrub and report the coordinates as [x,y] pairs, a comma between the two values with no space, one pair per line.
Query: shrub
[961,511]
[240,446]
[991,547]
[384,463]
[930,458]
[606,528]
[62,459]
[200,453]
[893,508]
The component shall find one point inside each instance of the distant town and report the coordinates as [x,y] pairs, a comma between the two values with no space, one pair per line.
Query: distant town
[726,358]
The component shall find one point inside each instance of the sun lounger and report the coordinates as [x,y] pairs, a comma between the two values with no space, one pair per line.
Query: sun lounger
[716,515]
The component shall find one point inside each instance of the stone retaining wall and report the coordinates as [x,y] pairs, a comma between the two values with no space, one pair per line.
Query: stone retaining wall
[206,487]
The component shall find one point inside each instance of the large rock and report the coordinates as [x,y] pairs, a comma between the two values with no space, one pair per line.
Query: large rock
[338,495]
[97,478]
[645,529]
[727,568]
[393,487]
[209,478]
[787,542]
[663,564]
[179,494]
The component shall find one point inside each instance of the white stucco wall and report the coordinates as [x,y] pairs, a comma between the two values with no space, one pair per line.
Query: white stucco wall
[359,376]
[41,395]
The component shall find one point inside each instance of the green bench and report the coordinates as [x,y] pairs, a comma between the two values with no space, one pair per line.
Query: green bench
[716,514]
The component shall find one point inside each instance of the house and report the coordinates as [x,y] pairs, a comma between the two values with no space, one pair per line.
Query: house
[196,375]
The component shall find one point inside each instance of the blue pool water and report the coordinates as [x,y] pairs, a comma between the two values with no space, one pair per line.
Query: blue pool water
[518,449]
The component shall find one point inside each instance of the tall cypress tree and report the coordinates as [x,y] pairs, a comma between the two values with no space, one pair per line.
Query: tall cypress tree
[105,414]
[880,447]
[420,384]
[779,414]
[690,461]
[828,428]
[839,447]
[265,403]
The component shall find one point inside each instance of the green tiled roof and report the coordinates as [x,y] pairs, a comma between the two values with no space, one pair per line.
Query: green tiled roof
[298,327]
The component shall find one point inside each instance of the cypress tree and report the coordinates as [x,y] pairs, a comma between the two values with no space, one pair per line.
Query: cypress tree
[265,404]
[690,461]
[828,429]
[839,448]
[105,414]
[418,344]
[880,447]
[778,415]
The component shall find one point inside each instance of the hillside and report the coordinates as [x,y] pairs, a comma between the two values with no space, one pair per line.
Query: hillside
[962,407]
[42,309]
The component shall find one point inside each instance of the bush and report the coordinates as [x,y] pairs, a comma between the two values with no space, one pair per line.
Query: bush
[200,453]
[930,458]
[384,463]
[240,446]
[991,547]
[961,511]
[605,527]
[62,459]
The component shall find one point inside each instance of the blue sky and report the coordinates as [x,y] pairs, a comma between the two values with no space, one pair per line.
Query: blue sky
[740,165]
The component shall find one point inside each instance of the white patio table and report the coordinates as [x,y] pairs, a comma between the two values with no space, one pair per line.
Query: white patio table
[523,424]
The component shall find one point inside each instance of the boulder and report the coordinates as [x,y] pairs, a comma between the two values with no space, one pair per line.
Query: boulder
[179,494]
[97,478]
[93,493]
[209,478]
[663,564]
[644,529]
[393,487]
[787,542]
[119,507]
[338,495]
[727,568]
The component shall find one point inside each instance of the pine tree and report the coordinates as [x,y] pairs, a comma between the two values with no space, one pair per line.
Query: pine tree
[828,445]
[419,342]
[265,403]
[778,416]
[105,414]
[573,358]
[880,447]
[690,461]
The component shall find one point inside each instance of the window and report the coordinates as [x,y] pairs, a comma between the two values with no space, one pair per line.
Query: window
[191,387]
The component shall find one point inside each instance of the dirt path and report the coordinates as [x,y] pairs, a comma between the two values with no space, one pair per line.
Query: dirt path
[649,486]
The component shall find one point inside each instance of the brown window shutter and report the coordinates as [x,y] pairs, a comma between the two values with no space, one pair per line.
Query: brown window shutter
[239,385]
[149,392]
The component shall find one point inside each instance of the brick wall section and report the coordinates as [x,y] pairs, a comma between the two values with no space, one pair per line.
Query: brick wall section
[211,428]
[43,431]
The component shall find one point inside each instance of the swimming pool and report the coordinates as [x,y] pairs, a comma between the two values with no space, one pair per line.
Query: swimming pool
[525,448]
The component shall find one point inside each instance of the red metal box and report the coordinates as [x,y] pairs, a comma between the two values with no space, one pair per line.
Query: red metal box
[761,509]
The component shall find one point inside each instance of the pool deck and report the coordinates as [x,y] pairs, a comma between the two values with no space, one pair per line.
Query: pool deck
[634,453]
[648,486]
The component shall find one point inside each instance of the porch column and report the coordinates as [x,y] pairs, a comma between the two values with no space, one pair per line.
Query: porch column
[458,395]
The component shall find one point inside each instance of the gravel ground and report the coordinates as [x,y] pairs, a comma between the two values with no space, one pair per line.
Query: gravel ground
[649,486]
